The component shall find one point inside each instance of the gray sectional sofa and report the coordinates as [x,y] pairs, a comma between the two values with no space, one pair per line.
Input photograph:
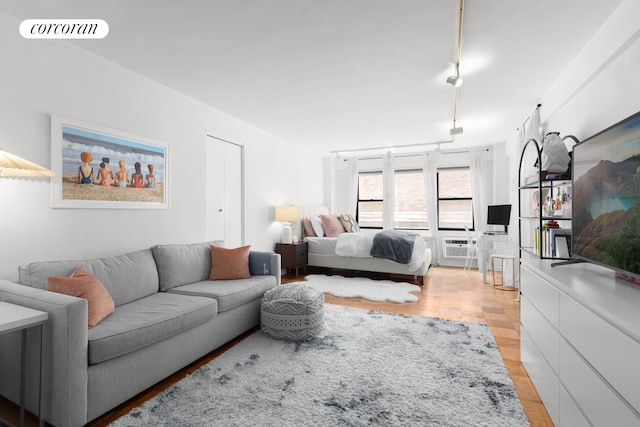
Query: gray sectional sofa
[168,314]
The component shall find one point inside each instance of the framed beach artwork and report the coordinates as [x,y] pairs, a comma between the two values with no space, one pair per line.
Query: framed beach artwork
[98,167]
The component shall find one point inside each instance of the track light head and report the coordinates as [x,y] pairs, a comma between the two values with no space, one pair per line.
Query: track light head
[455,131]
[455,81]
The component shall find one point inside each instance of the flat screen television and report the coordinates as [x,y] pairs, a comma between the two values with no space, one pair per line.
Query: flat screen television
[499,215]
[606,191]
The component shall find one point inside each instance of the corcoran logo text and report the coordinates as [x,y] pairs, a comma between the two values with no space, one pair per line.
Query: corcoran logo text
[64,29]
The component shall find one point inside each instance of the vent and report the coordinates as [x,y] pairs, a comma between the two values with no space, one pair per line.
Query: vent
[456,247]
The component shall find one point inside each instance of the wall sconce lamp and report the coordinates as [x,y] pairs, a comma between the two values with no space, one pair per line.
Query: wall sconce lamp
[14,166]
[286,215]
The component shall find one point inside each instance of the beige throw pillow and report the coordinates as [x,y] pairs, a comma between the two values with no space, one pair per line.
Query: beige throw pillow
[229,264]
[349,223]
[83,284]
[307,228]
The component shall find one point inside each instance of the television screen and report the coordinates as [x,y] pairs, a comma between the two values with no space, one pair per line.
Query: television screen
[499,215]
[606,190]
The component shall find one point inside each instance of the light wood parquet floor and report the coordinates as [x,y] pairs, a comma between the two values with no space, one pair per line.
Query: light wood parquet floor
[448,292]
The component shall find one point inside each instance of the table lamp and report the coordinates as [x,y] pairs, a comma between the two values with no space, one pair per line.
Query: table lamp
[285,215]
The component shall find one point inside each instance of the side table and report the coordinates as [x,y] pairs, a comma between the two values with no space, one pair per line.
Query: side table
[294,255]
[17,318]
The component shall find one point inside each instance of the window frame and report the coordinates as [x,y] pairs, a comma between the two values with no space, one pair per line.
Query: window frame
[359,200]
[438,199]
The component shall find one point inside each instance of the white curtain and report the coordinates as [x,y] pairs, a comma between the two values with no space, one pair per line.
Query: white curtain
[521,139]
[533,130]
[430,170]
[388,190]
[478,171]
[353,187]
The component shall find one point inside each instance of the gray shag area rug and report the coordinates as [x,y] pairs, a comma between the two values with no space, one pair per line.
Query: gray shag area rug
[367,368]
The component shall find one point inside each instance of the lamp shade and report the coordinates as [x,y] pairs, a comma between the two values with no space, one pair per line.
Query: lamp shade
[287,213]
[12,165]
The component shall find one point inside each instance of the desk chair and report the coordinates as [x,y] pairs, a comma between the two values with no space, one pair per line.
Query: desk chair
[472,248]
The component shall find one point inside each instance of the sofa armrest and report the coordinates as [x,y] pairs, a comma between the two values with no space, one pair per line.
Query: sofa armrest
[265,262]
[64,354]
[276,268]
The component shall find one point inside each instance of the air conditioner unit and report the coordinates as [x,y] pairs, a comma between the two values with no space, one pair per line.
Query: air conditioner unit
[455,247]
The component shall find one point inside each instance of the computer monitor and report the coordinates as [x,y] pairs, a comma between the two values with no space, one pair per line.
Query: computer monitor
[499,215]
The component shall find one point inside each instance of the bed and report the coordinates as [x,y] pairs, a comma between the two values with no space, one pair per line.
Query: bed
[328,252]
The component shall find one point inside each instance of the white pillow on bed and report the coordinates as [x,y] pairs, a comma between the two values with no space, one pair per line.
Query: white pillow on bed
[316,224]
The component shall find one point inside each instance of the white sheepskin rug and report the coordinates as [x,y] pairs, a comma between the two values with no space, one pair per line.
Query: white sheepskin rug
[362,287]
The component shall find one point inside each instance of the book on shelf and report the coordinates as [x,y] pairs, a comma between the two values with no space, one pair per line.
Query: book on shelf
[536,240]
[551,237]
[546,242]
[532,179]
[546,176]
[562,246]
[550,176]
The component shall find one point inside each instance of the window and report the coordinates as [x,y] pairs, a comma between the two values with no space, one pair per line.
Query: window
[455,205]
[370,191]
[409,208]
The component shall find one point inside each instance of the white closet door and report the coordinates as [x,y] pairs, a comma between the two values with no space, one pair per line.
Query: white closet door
[225,192]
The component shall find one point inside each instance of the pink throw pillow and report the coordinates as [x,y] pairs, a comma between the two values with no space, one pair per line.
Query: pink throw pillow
[332,225]
[83,284]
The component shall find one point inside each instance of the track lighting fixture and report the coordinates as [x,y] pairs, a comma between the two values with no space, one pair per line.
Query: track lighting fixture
[455,81]
[454,130]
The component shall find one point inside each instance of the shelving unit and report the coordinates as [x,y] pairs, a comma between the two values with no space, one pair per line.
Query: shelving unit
[544,210]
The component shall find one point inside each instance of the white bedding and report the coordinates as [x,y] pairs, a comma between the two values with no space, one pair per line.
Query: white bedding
[322,245]
[358,245]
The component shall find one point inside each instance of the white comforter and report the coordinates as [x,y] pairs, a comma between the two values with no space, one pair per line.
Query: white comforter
[359,244]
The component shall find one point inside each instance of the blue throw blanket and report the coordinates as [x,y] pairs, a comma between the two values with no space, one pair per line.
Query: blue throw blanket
[394,245]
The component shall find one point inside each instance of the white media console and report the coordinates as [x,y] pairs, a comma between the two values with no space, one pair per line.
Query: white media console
[580,342]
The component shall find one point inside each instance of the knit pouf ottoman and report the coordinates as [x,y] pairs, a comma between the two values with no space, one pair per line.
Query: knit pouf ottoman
[292,312]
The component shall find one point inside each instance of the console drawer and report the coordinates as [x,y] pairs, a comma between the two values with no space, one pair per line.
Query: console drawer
[541,294]
[595,338]
[596,399]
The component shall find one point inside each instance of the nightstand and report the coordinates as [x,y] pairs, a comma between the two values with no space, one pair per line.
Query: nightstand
[294,255]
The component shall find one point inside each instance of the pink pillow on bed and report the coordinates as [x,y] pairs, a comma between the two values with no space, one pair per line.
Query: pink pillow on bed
[332,225]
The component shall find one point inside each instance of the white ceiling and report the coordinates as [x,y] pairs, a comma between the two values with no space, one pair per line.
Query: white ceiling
[346,74]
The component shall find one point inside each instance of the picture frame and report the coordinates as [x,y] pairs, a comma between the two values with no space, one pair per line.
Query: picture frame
[102,168]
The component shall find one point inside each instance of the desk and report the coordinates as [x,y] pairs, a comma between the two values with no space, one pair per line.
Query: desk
[483,253]
[17,318]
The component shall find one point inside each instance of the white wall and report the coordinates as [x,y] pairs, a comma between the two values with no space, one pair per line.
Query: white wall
[602,85]
[598,89]
[43,77]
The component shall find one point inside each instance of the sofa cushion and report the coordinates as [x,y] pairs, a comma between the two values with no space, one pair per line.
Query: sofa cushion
[183,264]
[127,277]
[83,284]
[146,321]
[229,293]
[229,264]
[260,262]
